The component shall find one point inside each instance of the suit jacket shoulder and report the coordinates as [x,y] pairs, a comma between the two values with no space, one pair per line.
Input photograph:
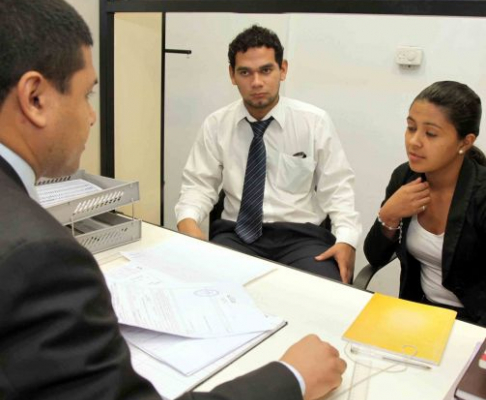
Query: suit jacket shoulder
[59,336]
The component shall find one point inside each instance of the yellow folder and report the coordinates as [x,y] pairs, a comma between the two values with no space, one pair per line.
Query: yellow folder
[402,327]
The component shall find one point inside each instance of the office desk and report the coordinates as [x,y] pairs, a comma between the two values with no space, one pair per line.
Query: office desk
[312,304]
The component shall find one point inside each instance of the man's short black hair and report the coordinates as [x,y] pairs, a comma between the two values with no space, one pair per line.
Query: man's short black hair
[256,36]
[40,35]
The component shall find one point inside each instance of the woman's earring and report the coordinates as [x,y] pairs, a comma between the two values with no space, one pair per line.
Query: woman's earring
[461,151]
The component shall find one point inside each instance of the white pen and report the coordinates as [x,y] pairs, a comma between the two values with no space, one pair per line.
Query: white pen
[358,351]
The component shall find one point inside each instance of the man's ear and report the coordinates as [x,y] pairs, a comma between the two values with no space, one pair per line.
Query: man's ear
[232,74]
[33,90]
[283,70]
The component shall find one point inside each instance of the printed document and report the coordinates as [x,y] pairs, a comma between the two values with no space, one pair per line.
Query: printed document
[56,193]
[186,355]
[198,310]
[170,383]
[200,262]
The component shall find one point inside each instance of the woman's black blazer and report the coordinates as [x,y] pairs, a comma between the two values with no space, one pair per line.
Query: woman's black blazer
[464,250]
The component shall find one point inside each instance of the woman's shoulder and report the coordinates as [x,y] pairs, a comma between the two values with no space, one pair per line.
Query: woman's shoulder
[481,169]
[480,189]
[478,195]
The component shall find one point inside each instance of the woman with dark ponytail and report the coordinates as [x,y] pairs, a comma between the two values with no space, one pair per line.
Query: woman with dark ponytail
[434,213]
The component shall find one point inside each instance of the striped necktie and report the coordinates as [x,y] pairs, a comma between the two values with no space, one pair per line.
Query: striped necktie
[250,217]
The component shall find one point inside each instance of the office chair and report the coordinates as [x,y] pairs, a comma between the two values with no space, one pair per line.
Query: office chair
[366,274]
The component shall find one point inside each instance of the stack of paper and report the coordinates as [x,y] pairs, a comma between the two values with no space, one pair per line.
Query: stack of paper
[170,383]
[142,299]
[186,355]
[188,330]
[201,264]
[60,192]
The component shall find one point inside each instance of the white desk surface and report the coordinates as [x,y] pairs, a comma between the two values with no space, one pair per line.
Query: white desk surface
[315,305]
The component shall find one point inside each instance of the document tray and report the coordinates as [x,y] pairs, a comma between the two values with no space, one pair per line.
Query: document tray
[107,231]
[114,193]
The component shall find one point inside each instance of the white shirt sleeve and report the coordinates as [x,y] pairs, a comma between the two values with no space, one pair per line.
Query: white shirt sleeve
[201,177]
[335,181]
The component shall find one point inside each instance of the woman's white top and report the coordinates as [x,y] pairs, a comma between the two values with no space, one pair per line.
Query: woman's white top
[426,247]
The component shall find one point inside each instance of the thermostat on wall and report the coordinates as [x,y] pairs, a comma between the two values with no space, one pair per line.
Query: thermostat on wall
[408,55]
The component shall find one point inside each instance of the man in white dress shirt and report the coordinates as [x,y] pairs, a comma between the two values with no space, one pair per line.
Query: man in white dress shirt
[306,177]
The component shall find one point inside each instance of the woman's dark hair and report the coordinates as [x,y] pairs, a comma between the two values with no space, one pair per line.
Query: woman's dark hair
[40,35]
[256,36]
[461,105]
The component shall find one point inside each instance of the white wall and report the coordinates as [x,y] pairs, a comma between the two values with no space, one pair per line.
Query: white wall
[198,84]
[342,63]
[89,10]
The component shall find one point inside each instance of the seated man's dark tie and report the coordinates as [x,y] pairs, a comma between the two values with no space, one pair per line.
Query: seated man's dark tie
[250,217]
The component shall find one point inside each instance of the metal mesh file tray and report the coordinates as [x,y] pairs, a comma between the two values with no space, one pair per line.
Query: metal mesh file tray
[106,231]
[111,193]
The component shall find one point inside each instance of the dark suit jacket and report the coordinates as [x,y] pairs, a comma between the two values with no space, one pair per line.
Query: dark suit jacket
[59,337]
[464,250]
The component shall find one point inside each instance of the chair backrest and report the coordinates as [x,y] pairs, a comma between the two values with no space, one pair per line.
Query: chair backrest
[366,274]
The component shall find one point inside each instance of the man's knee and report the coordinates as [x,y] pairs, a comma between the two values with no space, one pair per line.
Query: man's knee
[232,241]
[328,268]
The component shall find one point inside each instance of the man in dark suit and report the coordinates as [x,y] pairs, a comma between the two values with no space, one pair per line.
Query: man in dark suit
[59,337]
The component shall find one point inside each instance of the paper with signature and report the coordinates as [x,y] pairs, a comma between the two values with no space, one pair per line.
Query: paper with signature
[141,298]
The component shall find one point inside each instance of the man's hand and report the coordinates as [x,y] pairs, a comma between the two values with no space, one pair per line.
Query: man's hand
[345,256]
[318,363]
[189,227]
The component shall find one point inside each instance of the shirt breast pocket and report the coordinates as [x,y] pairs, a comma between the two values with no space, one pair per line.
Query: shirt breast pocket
[295,174]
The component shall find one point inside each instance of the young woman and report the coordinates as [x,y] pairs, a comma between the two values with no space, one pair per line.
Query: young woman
[434,213]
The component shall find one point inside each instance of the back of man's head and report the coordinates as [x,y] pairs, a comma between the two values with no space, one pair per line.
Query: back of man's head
[255,36]
[40,35]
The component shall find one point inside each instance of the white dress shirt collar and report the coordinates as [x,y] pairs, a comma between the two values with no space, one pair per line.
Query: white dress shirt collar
[23,170]
[277,112]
